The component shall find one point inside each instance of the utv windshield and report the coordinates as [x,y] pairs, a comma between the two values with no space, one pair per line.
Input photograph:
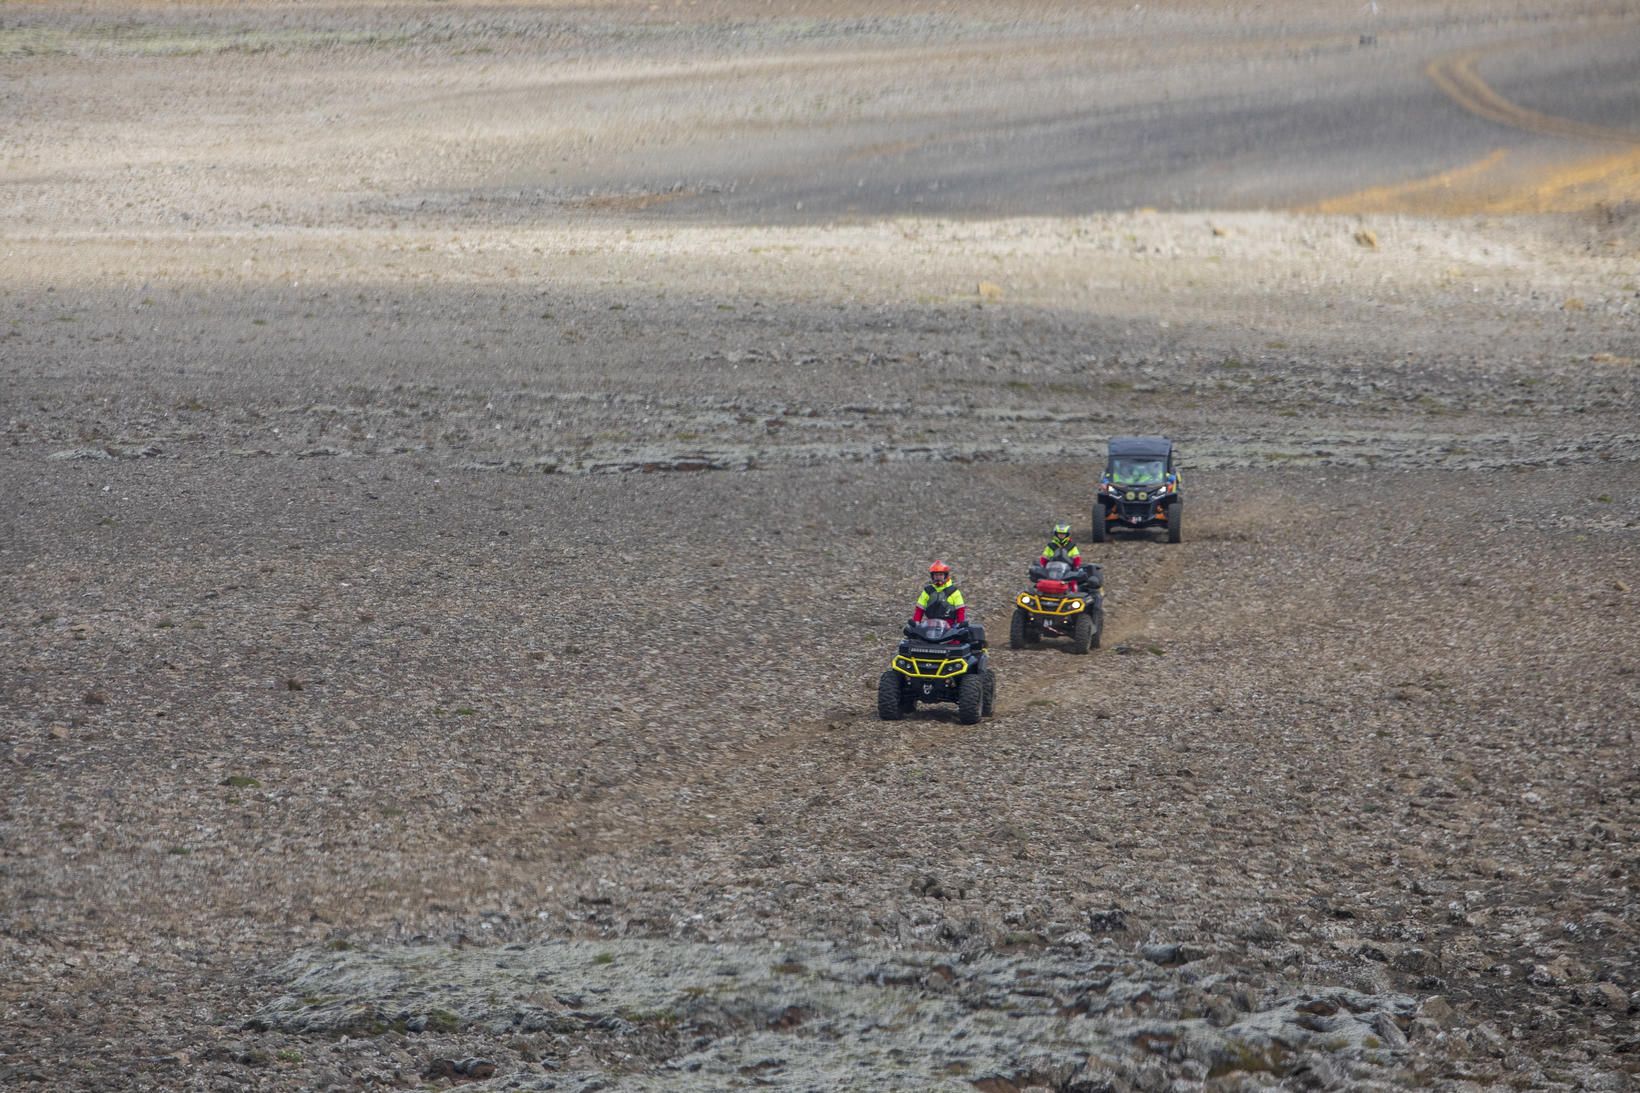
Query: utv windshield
[1127,471]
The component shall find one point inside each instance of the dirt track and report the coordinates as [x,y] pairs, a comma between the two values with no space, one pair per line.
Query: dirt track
[406,542]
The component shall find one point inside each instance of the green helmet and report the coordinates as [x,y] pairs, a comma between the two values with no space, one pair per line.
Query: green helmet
[1061,535]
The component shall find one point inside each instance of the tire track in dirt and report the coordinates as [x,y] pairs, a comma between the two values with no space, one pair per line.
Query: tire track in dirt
[1492,184]
[1455,75]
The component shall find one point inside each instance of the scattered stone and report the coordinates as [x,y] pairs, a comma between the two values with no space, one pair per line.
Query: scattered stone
[1012,1006]
[1610,996]
[1389,1031]
[1113,921]
[1165,955]
[469,1069]
[1436,1009]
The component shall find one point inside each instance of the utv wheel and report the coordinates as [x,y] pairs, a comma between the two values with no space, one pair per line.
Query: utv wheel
[971,698]
[989,707]
[1175,526]
[1099,532]
[890,697]
[1019,627]
[1083,633]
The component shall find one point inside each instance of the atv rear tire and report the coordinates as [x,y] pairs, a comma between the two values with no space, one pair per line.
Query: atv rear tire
[890,697]
[989,706]
[1018,629]
[971,698]
[1082,634]
[1175,527]
[1100,534]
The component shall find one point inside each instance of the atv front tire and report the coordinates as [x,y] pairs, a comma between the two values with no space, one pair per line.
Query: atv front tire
[989,706]
[1082,634]
[1100,534]
[1098,625]
[1019,628]
[971,698]
[890,703]
[1175,527]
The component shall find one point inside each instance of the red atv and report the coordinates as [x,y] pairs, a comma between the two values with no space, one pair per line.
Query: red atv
[1064,602]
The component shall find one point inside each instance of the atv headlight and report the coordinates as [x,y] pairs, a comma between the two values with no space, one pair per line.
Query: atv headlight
[1023,600]
[1076,605]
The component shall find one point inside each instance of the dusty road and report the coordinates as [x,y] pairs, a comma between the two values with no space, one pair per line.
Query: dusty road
[465,467]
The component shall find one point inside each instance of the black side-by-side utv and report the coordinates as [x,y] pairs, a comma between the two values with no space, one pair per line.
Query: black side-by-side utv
[1141,488]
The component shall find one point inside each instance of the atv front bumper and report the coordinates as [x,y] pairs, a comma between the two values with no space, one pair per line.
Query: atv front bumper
[1053,607]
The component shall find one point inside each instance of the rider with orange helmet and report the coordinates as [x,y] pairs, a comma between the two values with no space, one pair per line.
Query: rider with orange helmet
[941,598]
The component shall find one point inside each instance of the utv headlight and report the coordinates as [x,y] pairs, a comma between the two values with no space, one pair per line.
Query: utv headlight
[1143,496]
[1130,495]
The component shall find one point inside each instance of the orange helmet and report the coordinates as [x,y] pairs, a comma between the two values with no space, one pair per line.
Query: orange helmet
[939,572]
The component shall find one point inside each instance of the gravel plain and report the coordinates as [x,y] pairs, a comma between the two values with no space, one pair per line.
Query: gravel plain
[443,616]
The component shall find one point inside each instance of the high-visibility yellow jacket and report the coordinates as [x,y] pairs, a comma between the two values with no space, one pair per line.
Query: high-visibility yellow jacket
[1073,555]
[941,602]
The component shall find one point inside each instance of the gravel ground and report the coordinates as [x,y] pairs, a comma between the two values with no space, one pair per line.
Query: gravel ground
[442,650]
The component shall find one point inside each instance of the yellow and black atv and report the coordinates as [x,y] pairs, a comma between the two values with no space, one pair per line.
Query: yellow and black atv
[1064,602]
[939,663]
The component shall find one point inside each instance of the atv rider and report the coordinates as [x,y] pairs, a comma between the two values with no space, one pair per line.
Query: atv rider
[1061,549]
[941,598]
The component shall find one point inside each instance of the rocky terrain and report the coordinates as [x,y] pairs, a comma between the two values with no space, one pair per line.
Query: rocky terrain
[443,620]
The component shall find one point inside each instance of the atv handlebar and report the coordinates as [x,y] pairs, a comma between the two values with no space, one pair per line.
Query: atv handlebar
[1040,572]
[1089,576]
[961,633]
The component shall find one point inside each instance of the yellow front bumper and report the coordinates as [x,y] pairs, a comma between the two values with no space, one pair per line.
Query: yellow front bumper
[1059,607]
[929,668]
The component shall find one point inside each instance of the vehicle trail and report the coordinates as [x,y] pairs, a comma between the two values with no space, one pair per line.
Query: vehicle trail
[753,777]
[1494,183]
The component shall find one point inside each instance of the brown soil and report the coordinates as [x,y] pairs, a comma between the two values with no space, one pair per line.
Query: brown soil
[407,543]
